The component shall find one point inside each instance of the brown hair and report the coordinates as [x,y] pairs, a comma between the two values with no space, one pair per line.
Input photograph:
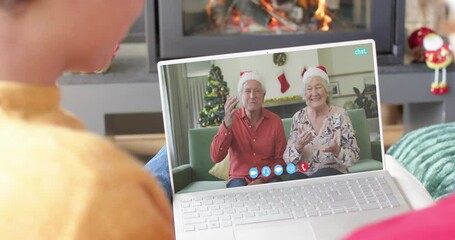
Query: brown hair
[14,7]
[8,4]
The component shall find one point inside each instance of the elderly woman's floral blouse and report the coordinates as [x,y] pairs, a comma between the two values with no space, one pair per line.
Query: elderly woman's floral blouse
[338,126]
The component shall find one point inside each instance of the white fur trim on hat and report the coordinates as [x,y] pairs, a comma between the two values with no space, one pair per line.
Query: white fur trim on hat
[432,42]
[314,72]
[249,75]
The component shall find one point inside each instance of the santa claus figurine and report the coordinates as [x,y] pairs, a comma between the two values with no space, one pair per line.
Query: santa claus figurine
[415,42]
[438,56]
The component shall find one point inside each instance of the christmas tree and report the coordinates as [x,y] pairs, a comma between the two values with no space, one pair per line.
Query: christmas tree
[215,96]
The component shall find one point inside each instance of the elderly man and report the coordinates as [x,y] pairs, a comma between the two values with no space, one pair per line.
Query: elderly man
[253,136]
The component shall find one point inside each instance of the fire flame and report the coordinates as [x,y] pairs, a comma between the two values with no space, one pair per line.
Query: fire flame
[208,8]
[321,15]
[278,18]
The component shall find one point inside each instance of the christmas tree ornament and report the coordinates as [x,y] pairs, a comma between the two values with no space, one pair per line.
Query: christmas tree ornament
[279,58]
[438,56]
[283,81]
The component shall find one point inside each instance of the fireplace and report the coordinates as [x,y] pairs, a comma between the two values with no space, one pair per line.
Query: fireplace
[203,27]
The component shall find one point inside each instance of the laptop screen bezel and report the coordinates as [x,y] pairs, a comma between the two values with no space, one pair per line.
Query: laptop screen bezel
[165,94]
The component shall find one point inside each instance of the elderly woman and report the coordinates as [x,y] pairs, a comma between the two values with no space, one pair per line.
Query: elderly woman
[321,141]
[253,136]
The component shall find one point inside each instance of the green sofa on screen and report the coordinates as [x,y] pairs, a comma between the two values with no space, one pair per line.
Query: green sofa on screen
[195,176]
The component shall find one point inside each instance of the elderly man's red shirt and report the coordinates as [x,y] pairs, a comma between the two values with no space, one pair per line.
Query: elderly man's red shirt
[249,148]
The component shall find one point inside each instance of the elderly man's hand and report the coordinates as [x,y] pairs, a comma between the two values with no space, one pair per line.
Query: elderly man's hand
[229,109]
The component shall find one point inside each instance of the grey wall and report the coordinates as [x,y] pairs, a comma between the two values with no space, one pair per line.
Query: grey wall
[91,102]
[409,85]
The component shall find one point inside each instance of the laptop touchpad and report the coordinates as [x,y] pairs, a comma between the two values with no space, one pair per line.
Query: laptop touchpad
[274,231]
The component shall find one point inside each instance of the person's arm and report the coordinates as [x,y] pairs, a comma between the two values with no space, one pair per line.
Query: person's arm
[429,223]
[222,141]
[220,144]
[349,151]
[291,154]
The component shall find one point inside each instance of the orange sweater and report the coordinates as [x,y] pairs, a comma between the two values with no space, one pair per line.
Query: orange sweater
[58,181]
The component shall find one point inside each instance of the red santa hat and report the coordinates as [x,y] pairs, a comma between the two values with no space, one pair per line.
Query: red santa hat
[417,36]
[318,71]
[249,75]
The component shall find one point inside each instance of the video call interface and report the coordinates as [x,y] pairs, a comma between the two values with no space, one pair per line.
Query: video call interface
[196,91]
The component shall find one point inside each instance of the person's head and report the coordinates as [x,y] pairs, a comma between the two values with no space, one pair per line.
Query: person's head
[316,87]
[76,35]
[251,89]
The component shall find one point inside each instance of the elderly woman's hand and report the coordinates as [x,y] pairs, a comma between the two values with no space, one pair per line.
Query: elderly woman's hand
[334,148]
[303,139]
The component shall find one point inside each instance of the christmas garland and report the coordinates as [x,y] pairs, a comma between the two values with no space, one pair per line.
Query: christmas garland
[283,99]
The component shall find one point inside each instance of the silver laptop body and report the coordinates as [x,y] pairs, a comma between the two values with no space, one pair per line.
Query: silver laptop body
[315,208]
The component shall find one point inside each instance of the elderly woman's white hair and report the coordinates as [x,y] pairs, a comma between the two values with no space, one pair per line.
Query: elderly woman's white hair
[320,72]
[250,75]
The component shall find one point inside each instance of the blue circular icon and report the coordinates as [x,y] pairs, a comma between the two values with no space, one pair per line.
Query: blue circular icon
[278,169]
[254,172]
[266,171]
[290,168]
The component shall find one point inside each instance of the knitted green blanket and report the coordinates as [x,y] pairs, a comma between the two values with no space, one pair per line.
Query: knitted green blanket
[429,154]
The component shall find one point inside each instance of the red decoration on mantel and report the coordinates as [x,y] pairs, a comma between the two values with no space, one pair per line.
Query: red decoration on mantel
[438,56]
[303,71]
[415,42]
[283,82]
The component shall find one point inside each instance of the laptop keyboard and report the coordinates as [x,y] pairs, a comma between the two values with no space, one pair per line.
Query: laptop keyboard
[227,210]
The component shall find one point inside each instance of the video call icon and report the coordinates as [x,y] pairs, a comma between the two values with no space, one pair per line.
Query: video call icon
[254,172]
[303,166]
[278,169]
[266,171]
[290,168]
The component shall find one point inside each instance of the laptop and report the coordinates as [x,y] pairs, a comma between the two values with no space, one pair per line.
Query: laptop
[315,208]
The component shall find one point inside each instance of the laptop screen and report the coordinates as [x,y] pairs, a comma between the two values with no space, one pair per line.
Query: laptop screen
[300,112]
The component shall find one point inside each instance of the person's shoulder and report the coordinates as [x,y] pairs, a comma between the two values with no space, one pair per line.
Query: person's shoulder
[61,147]
[337,109]
[299,113]
[52,136]
[58,168]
